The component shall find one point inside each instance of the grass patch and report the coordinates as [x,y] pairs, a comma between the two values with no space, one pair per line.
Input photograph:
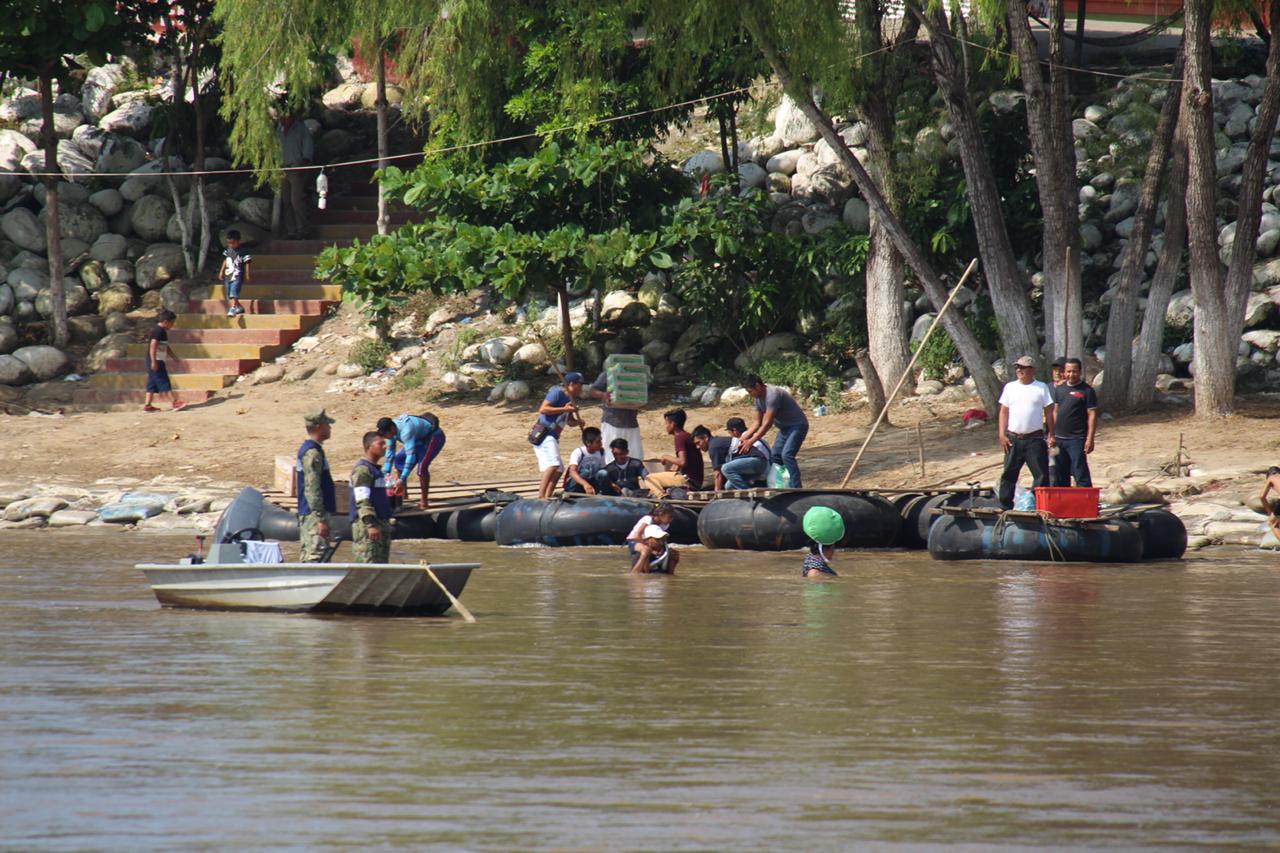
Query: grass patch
[370,354]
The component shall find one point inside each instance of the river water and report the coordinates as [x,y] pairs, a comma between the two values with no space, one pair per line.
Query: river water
[735,707]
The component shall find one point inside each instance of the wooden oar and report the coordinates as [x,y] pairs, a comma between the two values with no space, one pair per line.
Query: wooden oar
[466,614]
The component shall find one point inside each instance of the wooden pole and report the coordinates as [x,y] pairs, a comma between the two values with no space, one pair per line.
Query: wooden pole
[906,374]
[1066,309]
[466,614]
[920,447]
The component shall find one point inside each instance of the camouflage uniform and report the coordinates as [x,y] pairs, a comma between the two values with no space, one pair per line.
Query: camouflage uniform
[313,544]
[365,548]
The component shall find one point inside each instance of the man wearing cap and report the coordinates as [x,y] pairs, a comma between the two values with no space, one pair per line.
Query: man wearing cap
[558,409]
[314,484]
[370,504]
[1025,429]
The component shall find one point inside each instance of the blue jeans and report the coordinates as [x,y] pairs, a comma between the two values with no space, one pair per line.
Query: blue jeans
[742,471]
[785,448]
[1072,463]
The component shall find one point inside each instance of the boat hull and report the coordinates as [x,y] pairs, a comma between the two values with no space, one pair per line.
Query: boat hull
[391,589]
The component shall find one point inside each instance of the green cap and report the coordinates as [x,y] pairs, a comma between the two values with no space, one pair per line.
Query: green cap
[823,525]
[314,419]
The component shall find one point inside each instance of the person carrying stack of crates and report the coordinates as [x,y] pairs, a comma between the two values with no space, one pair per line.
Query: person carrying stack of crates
[623,389]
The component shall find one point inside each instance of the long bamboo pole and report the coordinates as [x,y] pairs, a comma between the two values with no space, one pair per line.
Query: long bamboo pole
[453,599]
[906,374]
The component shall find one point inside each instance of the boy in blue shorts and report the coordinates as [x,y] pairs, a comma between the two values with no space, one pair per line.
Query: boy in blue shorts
[234,271]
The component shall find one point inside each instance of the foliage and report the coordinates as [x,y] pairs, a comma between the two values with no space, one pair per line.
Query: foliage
[581,214]
[371,354]
[463,338]
[734,266]
[39,36]
[410,380]
[805,376]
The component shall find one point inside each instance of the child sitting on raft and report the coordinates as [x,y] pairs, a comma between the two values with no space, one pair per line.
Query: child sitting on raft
[660,517]
[655,557]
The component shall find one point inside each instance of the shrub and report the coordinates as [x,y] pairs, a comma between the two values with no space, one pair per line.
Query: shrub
[370,354]
[804,376]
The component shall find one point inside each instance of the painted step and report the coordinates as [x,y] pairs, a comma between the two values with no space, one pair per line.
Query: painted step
[241,321]
[309,247]
[327,292]
[259,337]
[358,216]
[233,366]
[263,306]
[130,399]
[271,263]
[187,352]
[343,231]
[179,381]
[294,276]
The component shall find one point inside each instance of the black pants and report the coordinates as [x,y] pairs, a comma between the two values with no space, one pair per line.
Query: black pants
[1034,453]
[1072,463]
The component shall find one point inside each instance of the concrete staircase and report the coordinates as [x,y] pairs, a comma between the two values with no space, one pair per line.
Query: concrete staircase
[283,301]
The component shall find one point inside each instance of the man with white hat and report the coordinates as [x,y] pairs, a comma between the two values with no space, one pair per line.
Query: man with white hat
[1025,429]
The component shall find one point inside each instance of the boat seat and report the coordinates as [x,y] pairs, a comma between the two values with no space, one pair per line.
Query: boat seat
[261,552]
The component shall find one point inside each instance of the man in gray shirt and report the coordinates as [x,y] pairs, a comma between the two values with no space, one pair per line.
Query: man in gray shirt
[296,149]
[776,407]
[615,422]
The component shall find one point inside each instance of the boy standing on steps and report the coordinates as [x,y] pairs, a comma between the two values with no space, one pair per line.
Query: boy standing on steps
[234,271]
[157,353]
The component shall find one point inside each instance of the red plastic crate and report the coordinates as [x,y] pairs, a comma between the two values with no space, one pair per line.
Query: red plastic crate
[1068,501]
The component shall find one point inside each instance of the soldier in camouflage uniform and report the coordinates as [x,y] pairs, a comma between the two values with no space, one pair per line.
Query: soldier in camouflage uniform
[317,497]
[370,505]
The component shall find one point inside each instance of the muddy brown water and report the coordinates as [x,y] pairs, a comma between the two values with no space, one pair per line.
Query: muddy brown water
[736,707]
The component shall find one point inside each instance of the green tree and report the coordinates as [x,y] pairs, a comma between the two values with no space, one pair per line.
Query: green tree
[38,39]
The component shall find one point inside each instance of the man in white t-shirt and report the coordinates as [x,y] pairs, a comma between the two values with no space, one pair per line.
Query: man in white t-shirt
[1025,430]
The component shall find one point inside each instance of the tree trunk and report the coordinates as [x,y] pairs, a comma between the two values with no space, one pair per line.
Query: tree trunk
[970,350]
[1115,392]
[1080,19]
[886,323]
[1053,150]
[380,105]
[1008,287]
[58,334]
[1215,345]
[1151,339]
[206,231]
[566,325]
[871,378]
[733,137]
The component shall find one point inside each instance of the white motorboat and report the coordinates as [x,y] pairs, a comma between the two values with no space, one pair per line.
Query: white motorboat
[243,573]
[393,589]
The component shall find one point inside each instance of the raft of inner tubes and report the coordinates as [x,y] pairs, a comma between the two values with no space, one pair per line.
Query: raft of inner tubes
[584,521]
[1150,535]
[774,523]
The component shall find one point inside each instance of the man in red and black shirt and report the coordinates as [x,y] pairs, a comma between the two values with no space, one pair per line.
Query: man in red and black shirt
[1075,422]
[688,458]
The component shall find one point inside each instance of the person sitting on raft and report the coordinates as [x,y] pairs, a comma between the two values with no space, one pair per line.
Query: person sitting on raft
[625,473]
[586,474]
[661,515]
[655,557]
[745,469]
[717,449]
[824,527]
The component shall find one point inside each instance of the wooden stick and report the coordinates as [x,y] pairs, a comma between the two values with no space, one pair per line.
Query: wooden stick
[466,614]
[906,374]
[920,447]
[1066,307]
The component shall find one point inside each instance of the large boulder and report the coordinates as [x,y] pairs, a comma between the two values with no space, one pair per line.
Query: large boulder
[130,120]
[703,163]
[108,247]
[161,263]
[14,371]
[86,329]
[120,155]
[255,210]
[176,294]
[23,228]
[73,162]
[79,222]
[112,346]
[44,362]
[99,85]
[74,294]
[27,282]
[344,96]
[774,346]
[8,336]
[90,139]
[827,184]
[115,298]
[857,216]
[109,202]
[68,194]
[791,125]
[336,144]
[785,161]
[37,507]
[752,175]
[6,300]
[532,354]
[693,343]
[1181,310]
[499,350]
[150,217]
[120,271]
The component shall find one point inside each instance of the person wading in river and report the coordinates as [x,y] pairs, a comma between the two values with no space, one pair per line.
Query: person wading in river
[1026,418]
[370,505]
[317,497]
[1271,485]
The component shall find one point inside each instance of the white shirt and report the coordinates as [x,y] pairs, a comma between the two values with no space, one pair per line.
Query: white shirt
[1026,405]
[575,458]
